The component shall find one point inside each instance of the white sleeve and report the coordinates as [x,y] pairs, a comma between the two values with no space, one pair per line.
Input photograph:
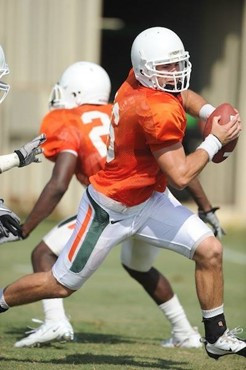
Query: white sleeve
[205,111]
[8,161]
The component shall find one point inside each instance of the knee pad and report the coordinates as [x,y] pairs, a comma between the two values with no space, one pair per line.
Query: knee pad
[138,255]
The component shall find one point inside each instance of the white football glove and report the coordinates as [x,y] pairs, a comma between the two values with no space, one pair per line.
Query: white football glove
[10,228]
[211,219]
[27,153]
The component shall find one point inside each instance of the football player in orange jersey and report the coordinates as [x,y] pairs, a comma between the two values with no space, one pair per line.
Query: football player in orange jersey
[129,198]
[62,126]
[76,130]
[9,221]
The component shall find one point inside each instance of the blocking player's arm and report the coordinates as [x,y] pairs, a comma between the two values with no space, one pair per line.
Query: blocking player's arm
[23,156]
[8,161]
[53,191]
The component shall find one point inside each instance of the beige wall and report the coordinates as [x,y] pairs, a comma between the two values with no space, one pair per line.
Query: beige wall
[240,166]
[40,38]
[223,72]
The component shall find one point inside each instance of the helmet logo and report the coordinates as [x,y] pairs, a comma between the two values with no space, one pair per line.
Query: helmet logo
[175,52]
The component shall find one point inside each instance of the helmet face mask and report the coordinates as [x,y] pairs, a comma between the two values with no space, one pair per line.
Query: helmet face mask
[153,52]
[175,81]
[4,70]
[58,99]
[81,83]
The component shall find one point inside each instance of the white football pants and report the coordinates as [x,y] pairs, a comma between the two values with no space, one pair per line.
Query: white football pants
[102,223]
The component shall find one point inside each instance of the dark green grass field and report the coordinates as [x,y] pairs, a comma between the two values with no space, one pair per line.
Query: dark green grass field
[117,326]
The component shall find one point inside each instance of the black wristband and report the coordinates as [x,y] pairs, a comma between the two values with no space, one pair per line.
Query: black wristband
[21,158]
[213,210]
[217,138]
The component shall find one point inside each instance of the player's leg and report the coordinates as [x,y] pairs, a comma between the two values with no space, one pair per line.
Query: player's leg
[93,238]
[219,340]
[176,228]
[56,325]
[32,288]
[95,235]
[137,258]
[98,229]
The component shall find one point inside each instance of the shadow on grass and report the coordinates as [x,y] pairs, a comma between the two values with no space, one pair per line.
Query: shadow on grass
[86,337]
[89,358]
[105,338]
[105,360]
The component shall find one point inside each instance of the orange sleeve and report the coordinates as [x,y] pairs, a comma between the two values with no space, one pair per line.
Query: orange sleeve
[163,123]
[57,127]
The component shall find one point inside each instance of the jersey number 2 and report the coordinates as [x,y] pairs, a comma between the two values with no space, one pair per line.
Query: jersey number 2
[97,132]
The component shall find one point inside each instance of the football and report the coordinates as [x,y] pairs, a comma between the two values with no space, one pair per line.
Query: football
[224,110]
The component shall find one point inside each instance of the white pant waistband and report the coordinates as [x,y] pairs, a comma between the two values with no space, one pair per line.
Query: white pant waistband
[112,204]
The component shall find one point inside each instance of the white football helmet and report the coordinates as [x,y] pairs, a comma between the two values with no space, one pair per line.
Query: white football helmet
[4,70]
[81,83]
[160,46]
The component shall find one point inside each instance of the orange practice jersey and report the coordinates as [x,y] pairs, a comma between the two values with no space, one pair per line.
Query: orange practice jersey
[82,131]
[144,120]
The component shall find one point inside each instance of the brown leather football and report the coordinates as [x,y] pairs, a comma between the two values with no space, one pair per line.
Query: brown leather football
[224,110]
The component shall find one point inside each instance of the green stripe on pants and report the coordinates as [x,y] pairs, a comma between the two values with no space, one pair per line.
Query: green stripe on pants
[100,221]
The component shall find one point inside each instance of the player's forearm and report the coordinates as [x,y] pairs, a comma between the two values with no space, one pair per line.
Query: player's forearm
[8,161]
[179,168]
[193,102]
[196,191]
[44,206]
[185,172]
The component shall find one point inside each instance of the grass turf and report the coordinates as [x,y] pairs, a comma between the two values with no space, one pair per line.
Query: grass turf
[116,324]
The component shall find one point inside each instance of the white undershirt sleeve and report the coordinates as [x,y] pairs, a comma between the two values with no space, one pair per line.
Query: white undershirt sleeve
[8,161]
